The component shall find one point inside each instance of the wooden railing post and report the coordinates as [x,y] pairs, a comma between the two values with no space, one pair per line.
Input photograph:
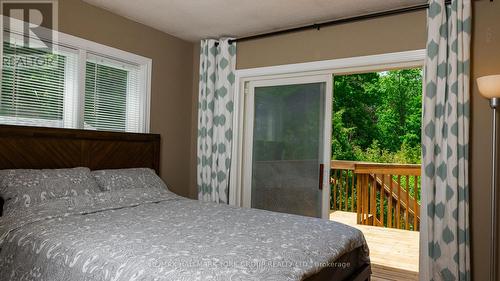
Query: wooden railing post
[346,184]
[334,184]
[340,190]
[398,207]
[389,204]
[407,211]
[359,195]
[416,207]
[373,205]
[366,196]
[352,190]
[382,199]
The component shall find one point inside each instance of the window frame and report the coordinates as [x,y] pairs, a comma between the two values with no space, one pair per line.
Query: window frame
[84,47]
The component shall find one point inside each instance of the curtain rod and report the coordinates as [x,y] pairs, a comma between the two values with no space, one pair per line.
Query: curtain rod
[318,26]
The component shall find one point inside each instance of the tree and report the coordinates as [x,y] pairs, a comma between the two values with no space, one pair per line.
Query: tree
[400,112]
[377,116]
[357,96]
[341,144]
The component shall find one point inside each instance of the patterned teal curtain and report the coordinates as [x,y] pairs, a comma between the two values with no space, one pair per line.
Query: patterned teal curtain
[444,236]
[215,117]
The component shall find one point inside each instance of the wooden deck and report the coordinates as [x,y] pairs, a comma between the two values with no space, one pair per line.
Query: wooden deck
[393,252]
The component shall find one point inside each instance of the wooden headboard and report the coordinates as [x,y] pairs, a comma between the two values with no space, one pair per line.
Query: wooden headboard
[52,148]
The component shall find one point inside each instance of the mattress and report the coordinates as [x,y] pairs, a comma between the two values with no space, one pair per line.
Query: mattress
[147,235]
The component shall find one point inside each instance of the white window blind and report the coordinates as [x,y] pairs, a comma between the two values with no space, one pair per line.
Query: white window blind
[37,94]
[88,86]
[112,96]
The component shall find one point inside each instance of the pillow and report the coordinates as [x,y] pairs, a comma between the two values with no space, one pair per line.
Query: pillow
[23,188]
[114,180]
[53,188]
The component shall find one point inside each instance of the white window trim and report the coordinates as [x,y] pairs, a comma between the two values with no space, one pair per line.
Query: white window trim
[71,103]
[407,59]
[85,46]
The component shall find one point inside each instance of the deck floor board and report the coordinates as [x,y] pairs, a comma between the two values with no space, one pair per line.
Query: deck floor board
[393,252]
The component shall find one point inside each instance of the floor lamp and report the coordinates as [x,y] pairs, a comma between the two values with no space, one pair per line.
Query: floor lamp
[489,87]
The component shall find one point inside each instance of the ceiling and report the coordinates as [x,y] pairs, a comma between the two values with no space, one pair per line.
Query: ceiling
[196,19]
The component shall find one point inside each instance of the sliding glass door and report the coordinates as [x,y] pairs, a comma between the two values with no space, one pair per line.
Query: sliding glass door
[287,151]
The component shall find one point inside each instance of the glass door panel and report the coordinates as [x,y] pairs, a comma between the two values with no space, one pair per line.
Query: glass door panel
[287,167]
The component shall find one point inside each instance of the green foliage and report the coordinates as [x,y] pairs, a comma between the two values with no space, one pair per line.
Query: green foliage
[341,144]
[377,117]
[357,97]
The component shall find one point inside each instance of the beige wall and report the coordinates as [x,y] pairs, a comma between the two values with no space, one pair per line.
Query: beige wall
[378,36]
[171,81]
[394,34]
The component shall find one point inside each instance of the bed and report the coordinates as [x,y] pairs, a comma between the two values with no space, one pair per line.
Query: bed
[129,232]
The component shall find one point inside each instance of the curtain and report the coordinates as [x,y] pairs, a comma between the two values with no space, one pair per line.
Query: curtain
[444,236]
[215,117]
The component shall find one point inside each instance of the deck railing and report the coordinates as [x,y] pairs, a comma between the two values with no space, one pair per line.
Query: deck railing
[381,194]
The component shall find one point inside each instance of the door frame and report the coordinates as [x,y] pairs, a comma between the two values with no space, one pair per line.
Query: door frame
[247,155]
[407,59]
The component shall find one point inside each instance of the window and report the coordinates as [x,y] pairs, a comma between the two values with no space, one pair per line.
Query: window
[85,85]
[112,96]
[35,95]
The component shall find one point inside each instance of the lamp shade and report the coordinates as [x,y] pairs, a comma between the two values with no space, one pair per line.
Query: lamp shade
[489,86]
